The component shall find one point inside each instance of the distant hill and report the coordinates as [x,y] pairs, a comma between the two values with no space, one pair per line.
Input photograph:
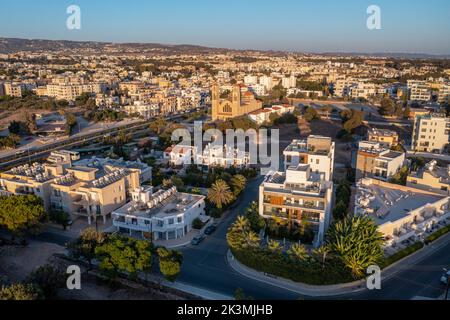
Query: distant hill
[12,45]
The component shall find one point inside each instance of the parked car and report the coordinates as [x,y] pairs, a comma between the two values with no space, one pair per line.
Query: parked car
[197,239]
[445,276]
[210,229]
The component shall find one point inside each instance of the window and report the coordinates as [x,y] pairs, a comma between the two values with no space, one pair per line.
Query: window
[179,219]
[171,221]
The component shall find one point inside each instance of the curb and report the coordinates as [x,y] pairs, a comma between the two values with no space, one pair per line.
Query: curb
[303,289]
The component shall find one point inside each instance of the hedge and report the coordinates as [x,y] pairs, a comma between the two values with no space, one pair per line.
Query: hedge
[402,254]
[308,272]
[437,234]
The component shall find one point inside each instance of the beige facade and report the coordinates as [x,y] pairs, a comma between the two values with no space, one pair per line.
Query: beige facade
[431,133]
[238,105]
[386,138]
[90,192]
[431,178]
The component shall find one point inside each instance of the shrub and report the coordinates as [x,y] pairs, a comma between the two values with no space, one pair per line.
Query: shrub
[437,235]
[401,254]
[197,224]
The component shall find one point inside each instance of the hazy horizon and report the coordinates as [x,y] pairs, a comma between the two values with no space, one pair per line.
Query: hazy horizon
[325,26]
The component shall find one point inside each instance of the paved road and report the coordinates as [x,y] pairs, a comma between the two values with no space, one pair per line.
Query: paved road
[205,267]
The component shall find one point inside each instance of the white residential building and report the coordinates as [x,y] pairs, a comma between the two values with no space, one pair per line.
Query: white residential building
[401,213]
[263,115]
[250,80]
[267,82]
[218,156]
[375,161]
[179,155]
[419,90]
[144,110]
[299,195]
[164,215]
[431,133]
[289,82]
[317,151]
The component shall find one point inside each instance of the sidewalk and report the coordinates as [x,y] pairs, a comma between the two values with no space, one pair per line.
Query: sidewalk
[339,289]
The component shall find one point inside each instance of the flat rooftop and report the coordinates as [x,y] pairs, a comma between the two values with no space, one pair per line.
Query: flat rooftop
[390,204]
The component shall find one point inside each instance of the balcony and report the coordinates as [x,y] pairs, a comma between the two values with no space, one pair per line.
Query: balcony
[132,226]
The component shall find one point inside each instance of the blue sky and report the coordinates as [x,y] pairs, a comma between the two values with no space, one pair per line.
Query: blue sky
[302,25]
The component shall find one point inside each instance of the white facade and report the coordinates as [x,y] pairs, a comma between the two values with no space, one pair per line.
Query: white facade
[180,155]
[223,157]
[317,151]
[144,110]
[300,195]
[289,82]
[419,90]
[250,80]
[267,82]
[431,133]
[164,215]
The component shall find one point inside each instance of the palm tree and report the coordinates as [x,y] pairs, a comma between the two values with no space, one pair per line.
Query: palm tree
[274,246]
[357,243]
[252,239]
[238,183]
[220,194]
[241,223]
[298,252]
[321,254]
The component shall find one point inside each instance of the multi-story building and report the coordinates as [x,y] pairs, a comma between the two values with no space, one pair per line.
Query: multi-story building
[298,195]
[419,90]
[239,104]
[431,178]
[70,92]
[375,161]
[250,80]
[444,93]
[92,191]
[431,133]
[401,213]
[180,155]
[14,89]
[317,151]
[263,115]
[267,82]
[342,86]
[289,82]
[2,89]
[386,138]
[163,215]
[144,110]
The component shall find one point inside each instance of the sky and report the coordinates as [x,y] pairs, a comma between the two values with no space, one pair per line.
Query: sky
[407,26]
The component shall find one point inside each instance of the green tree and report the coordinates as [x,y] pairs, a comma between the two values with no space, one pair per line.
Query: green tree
[19,292]
[340,211]
[169,263]
[219,194]
[19,214]
[238,183]
[387,107]
[311,114]
[357,242]
[298,252]
[49,279]
[120,254]
[84,247]
[274,246]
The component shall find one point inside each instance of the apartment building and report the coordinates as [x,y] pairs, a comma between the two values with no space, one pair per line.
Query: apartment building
[431,133]
[240,103]
[300,196]
[419,90]
[431,178]
[317,151]
[14,89]
[223,156]
[267,82]
[92,191]
[402,213]
[386,138]
[2,89]
[250,80]
[163,215]
[342,86]
[144,110]
[375,161]
[444,93]
[70,92]
[364,90]
[179,155]
[289,82]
